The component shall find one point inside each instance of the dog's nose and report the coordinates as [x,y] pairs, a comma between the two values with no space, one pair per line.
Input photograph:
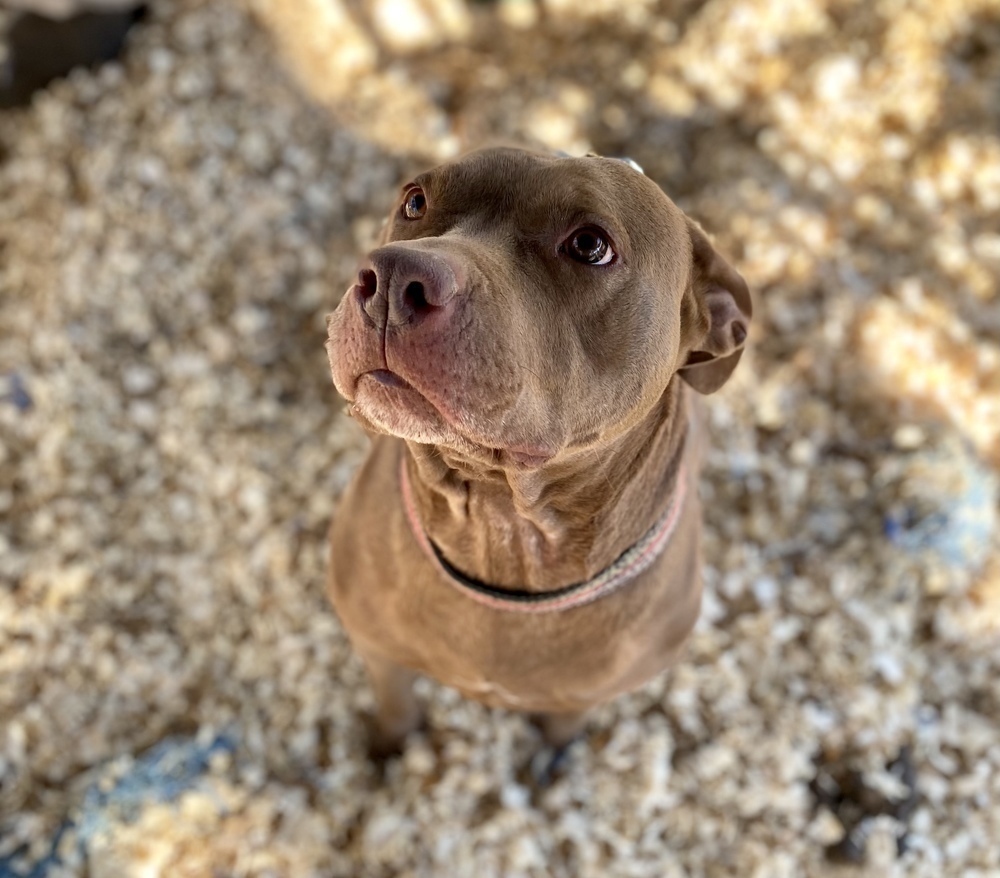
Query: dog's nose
[401,286]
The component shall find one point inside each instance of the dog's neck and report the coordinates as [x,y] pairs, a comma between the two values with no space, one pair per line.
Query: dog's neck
[540,530]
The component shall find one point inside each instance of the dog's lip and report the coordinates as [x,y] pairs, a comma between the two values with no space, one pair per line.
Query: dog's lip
[390,379]
[391,404]
[522,455]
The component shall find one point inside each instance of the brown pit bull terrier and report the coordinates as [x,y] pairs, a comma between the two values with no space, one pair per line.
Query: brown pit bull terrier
[526,526]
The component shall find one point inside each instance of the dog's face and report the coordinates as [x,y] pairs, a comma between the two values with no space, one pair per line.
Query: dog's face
[523,306]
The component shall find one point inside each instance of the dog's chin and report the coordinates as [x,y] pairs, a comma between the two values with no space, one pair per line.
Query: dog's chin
[385,403]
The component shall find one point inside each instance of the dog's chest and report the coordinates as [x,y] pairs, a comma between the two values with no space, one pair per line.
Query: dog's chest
[397,604]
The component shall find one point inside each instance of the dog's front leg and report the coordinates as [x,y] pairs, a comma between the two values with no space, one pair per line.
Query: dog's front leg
[397,712]
[559,730]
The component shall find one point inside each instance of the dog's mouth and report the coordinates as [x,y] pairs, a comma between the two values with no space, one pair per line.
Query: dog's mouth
[387,403]
[390,404]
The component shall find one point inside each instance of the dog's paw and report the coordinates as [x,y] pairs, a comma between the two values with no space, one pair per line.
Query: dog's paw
[382,746]
[548,765]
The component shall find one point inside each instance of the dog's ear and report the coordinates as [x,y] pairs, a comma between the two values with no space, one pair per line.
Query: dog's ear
[715,317]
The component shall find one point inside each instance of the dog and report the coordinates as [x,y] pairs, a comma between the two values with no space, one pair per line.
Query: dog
[523,344]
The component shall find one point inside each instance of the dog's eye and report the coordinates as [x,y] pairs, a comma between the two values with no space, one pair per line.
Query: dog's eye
[590,246]
[415,205]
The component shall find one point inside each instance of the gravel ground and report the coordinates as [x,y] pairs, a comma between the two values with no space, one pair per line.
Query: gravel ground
[176,696]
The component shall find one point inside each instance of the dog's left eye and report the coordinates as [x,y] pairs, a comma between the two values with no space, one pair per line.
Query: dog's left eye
[415,205]
[590,246]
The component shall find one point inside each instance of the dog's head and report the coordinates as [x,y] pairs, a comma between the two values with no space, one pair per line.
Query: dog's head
[522,306]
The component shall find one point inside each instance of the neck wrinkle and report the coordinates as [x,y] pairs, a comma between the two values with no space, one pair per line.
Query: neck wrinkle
[543,530]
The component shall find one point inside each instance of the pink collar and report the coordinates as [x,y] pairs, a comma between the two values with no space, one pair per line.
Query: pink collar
[629,565]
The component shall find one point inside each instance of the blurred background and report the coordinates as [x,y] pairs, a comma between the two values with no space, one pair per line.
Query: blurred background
[178,213]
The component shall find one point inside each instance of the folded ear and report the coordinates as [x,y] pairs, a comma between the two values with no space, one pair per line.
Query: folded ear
[715,317]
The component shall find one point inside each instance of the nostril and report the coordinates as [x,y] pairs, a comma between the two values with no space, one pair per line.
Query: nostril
[415,296]
[367,283]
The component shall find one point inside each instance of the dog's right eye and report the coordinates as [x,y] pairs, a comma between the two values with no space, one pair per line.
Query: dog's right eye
[415,204]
